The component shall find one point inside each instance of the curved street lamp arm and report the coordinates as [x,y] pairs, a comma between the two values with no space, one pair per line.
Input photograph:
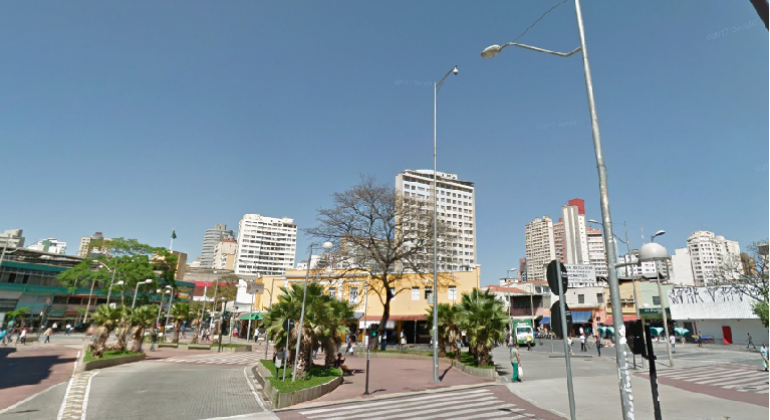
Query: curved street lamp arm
[438,85]
[529,47]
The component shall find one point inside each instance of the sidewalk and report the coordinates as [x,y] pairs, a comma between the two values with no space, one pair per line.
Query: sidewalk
[394,376]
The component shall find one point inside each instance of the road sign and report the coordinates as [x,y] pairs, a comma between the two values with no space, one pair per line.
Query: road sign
[581,274]
[551,274]
[255,288]
[556,318]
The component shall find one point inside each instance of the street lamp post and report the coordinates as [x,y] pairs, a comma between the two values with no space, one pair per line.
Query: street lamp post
[436,87]
[633,279]
[136,291]
[624,383]
[114,272]
[326,245]
[160,305]
[510,301]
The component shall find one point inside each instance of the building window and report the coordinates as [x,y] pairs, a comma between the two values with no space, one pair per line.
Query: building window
[452,293]
[581,298]
[415,293]
[600,297]
[656,300]
[392,293]
[333,292]
[429,294]
[354,295]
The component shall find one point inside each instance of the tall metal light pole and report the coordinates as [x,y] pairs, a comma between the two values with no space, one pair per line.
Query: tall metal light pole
[436,87]
[366,337]
[267,342]
[510,301]
[114,272]
[136,291]
[633,279]
[326,245]
[624,383]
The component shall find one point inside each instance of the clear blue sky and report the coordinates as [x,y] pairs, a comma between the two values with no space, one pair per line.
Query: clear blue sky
[134,118]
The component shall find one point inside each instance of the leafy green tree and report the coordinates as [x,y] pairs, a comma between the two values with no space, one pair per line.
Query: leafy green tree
[483,318]
[17,313]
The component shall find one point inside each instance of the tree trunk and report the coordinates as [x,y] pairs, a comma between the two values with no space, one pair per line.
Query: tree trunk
[137,334]
[305,352]
[330,348]
[177,326]
[196,323]
[100,341]
[384,320]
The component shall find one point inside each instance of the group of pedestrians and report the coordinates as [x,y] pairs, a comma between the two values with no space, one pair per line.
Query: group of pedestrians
[6,335]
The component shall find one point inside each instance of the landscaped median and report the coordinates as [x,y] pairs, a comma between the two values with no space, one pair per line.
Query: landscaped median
[316,382]
[110,358]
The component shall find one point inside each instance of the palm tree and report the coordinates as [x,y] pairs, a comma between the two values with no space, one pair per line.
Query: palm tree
[483,318]
[325,322]
[123,328]
[449,330]
[180,313]
[107,319]
[141,319]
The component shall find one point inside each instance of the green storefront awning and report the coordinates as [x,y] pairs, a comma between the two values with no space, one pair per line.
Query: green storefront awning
[253,316]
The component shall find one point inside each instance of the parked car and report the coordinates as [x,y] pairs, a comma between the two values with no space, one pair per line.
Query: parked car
[81,327]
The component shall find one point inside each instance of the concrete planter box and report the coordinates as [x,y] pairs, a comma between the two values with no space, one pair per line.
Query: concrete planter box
[239,349]
[171,345]
[283,400]
[198,346]
[101,364]
[481,373]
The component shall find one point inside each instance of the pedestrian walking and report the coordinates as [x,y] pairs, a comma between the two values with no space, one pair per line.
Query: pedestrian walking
[598,345]
[700,340]
[22,336]
[55,327]
[515,362]
[530,342]
[153,338]
[182,330]
[68,329]
[750,342]
[672,340]
[47,335]
[582,340]
[763,352]
[9,335]
[3,333]
[569,341]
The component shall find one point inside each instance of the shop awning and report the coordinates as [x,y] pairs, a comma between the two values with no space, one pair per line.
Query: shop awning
[546,320]
[253,316]
[581,317]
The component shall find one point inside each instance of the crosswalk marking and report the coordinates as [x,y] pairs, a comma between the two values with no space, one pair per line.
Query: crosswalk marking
[736,378]
[245,358]
[456,405]
[402,406]
[406,400]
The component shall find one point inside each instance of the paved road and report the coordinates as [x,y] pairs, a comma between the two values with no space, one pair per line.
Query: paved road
[489,402]
[171,391]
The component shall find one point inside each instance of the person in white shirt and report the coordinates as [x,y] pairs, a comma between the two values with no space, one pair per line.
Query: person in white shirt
[672,340]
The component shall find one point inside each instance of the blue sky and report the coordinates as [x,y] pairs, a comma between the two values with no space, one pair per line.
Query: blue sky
[134,118]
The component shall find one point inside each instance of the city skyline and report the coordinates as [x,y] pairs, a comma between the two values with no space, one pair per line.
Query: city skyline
[518,125]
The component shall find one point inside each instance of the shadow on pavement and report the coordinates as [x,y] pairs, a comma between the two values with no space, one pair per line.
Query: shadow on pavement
[19,371]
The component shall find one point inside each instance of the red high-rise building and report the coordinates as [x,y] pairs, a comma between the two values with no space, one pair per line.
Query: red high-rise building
[579,203]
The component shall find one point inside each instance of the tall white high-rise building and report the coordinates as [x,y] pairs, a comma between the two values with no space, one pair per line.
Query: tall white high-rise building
[456,202]
[266,245]
[12,238]
[50,245]
[713,257]
[540,247]
[575,238]
[597,255]
[210,240]
[85,249]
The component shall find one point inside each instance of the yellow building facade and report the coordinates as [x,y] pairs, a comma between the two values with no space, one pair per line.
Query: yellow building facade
[408,308]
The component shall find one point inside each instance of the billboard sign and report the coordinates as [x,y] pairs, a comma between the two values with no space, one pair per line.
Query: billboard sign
[581,274]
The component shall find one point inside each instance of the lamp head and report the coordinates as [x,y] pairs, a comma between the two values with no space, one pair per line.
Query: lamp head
[660,232]
[652,251]
[592,221]
[328,245]
[490,51]
[120,283]
[148,281]
[455,71]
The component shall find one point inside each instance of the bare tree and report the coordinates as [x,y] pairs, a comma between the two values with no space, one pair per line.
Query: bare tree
[378,231]
[749,277]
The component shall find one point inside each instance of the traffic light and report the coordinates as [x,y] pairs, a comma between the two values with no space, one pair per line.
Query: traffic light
[636,338]
[374,333]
